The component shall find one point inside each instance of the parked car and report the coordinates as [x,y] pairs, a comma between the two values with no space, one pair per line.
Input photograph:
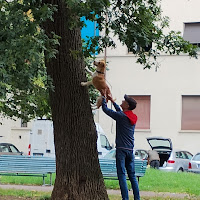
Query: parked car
[139,154]
[194,164]
[9,149]
[170,159]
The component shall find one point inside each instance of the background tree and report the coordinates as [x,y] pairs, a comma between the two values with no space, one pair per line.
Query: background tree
[42,65]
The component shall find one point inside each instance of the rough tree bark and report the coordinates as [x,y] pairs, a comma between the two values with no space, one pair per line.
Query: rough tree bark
[78,174]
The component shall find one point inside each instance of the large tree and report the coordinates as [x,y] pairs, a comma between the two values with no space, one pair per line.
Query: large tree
[42,65]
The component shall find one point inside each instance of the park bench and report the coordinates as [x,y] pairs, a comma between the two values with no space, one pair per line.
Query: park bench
[41,166]
[109,170]
[27,166]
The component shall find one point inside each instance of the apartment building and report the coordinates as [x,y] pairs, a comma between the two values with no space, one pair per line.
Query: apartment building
[169,97]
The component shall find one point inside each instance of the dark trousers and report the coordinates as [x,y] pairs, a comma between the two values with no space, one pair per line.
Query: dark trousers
[155,164]
[125,162]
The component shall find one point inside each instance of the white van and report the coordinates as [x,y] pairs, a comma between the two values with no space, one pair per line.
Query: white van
[103,144]
[42,140]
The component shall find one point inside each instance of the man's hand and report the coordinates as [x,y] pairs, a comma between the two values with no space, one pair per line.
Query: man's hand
[109,97]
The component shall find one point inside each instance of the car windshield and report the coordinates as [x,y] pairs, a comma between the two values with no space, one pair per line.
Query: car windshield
[104,142]
[110,155]
[14,149]
[8,148]
[197,157]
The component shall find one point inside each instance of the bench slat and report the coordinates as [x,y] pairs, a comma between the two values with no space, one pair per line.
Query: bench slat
[27,166]
[24,165]
[109,170]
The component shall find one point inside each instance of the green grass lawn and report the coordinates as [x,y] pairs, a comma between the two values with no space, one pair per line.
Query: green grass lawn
[26,180]
[158,181]
[154,180]
[24,193]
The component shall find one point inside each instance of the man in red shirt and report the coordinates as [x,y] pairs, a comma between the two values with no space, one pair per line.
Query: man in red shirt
[125,126]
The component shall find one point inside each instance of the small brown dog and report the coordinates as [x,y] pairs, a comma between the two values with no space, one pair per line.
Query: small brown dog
[99,82]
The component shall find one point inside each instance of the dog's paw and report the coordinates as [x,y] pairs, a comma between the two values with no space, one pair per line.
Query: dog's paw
[99,102]
[83,83]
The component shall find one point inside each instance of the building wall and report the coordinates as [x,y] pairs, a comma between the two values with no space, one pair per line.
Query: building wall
[12,132]
[177,76]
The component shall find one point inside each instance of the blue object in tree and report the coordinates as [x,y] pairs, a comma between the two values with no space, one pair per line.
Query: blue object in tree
[90,30]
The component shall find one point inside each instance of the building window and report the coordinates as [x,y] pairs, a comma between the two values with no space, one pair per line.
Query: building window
[142,111]
[192,33]
[23,124]
[190,112]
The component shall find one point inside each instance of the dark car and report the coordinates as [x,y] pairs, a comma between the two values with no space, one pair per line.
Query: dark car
[170,158]
[9,149]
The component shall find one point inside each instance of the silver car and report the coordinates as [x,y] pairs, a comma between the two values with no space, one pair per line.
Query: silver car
[9,149]
[194,164]
[139,154]
[170,159]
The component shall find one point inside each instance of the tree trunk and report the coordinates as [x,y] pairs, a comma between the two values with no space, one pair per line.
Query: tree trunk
[78,174]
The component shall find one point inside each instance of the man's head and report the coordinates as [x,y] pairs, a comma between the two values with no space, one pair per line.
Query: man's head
[131,102]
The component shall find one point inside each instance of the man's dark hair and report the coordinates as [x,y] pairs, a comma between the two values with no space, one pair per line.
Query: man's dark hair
[131,102]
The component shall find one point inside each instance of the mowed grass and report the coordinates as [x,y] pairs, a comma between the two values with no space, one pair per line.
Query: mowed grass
[25,194]
[154,180]
[159,181]
[26,180]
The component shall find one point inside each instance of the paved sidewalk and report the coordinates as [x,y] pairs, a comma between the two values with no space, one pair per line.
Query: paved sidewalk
[112,192]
